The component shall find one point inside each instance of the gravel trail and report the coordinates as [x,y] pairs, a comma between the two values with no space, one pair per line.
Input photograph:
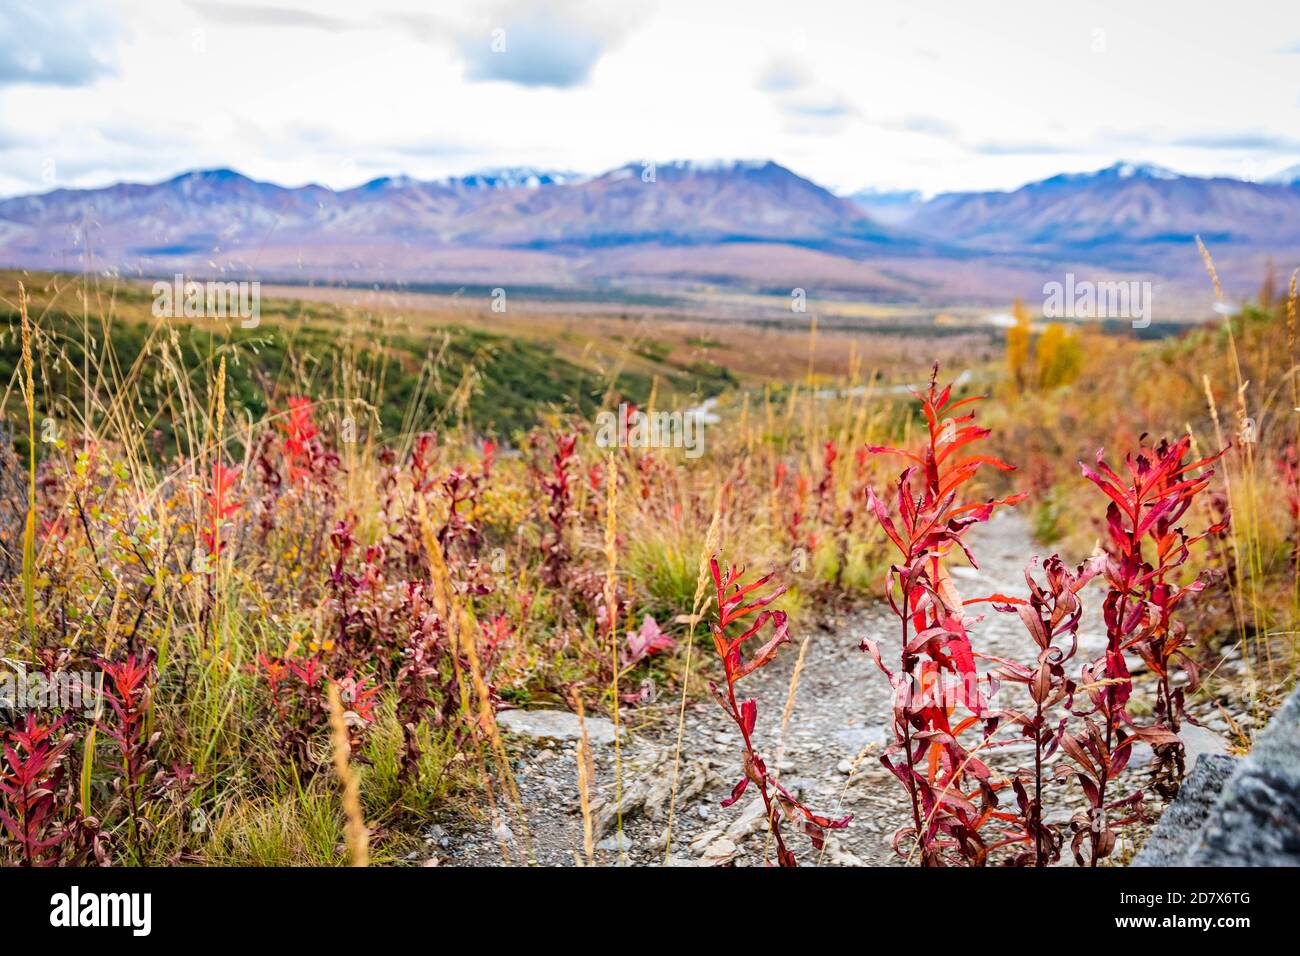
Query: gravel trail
[841,714]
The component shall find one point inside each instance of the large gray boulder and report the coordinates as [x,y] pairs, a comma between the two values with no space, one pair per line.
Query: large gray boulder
[1255,818]
[1179,827]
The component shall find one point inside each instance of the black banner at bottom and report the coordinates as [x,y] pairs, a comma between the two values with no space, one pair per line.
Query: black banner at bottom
[320,906]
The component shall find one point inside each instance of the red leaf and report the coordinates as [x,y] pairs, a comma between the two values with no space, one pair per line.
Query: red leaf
[749,715]
[768,651]
[886,523]
[736,792]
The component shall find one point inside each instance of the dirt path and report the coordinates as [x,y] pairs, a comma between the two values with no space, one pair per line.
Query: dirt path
[842,707]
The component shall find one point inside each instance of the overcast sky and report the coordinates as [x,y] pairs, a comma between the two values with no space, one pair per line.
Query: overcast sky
[926,94]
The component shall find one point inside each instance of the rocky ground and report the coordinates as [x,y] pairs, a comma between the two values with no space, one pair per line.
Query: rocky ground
[828,756]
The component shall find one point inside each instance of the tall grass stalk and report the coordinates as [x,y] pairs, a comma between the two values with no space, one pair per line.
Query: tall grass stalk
[611,615]
[29,527]
[358,839]
[1246,538]
[460,630]
[1293,373]
[585,774]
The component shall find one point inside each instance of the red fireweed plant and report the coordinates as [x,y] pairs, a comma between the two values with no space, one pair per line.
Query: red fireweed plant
[459,538]
[34,798]
[793,499]
[826,486]
[422,693]
[128,691]
[305,456]
[424,451]
[777,800]
[298,688]
[1145,547]
[936,670]
[558,485]
[343,583]
[1051,616]
[220,507]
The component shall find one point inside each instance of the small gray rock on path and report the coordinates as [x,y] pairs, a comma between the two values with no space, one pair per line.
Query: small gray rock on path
[555,725]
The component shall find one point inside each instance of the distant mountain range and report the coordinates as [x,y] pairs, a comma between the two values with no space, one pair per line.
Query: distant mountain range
[741,224]
[1118,211]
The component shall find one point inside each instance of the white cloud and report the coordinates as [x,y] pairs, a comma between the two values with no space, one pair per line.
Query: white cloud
[783,75]
[947,95]
[553,43]
[54,42]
